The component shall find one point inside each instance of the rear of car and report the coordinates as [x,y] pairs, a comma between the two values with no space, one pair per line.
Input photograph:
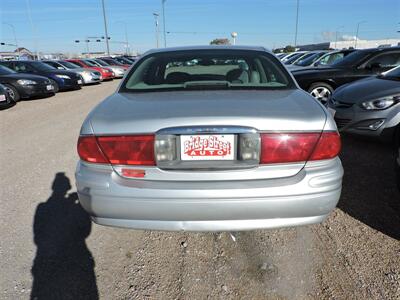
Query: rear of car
[106,74]
[5,100]
[209,139]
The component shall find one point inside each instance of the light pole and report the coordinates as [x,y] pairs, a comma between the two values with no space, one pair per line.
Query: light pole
[105,27]
[127,52]
[337,34]
[297,23]
[163,15]
[358,28]
[157,30]
[234,36]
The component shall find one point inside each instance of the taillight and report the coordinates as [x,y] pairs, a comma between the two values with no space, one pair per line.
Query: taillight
[119,150]
[298,147]
[89,150]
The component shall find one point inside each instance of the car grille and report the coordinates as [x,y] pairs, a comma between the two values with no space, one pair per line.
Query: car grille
[340,123]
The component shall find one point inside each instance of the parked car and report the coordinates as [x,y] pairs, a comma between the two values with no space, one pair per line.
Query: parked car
[307,60]
[119,71]
[5,100]
[332,57]
[23,86]
[208,147]
[124,60]
[113,62]
[290,55]
[60,79]
[321,82]
[290,60]
[88,76]
[369,107]
[106,73]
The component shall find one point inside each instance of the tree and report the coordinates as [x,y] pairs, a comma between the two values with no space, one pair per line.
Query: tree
[289,48]
[220,41]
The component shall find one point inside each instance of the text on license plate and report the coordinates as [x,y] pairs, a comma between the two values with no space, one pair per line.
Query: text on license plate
[2,98]
[49,87]
[208,147]
[79,81]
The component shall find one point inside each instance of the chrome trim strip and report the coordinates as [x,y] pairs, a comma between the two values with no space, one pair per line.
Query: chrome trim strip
[188,130]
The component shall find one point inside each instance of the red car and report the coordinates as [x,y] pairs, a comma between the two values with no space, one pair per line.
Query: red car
[107,74]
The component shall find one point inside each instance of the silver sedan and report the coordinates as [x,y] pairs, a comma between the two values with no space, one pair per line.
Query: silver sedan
[209,139]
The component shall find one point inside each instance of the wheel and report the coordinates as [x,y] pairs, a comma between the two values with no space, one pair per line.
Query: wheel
[321,91]
[55,85]
[12,91]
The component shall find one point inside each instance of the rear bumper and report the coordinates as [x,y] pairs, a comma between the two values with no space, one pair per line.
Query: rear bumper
[305,198]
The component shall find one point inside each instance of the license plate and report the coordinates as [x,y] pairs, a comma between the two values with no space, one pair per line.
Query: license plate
[332,111]
[208,147]
[49,87]
[2,98]
[79,81]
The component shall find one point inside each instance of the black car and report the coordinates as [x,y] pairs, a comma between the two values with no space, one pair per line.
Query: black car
[320,82]
[5,99]
[60,79]
[23,86]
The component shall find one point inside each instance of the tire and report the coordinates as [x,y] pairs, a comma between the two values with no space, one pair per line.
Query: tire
[12,92]
[55,84]
[321,91]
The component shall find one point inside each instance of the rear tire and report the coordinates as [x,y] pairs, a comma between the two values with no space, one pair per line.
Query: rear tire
[321,91]
[12,92]
[55,85]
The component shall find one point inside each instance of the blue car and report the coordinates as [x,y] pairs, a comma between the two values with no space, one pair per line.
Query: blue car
[61,79]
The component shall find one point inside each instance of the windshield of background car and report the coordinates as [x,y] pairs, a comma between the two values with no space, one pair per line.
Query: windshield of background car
[69,65]
[308,60]
[5,71]
[89,63]
[42,66]
[102,63]
[207,69]
[351,59]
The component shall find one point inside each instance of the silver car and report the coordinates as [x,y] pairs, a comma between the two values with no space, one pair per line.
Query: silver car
[228,142]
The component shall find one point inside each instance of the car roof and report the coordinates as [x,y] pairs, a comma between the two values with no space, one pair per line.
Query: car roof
[206,47]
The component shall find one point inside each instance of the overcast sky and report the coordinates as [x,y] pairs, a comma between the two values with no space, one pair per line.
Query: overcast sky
[271,23]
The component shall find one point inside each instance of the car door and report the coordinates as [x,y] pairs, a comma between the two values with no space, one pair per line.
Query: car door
[380,63]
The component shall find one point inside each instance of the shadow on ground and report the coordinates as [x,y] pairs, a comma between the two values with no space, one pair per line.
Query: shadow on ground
[63,267]
[369,191]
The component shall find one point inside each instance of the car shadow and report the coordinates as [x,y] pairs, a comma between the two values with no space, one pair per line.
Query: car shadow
[63,267]
[369,190]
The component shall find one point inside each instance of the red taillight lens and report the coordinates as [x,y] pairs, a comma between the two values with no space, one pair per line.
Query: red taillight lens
[328,146]
[117,150]
[128,150]
[297,147]
[89,150]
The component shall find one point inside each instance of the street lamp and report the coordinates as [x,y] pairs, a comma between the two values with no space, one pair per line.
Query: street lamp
[105,27]
[234,36]
[358,27]
[337,34]
[157,30]
[163,15]
[126,37]
[15,36]
[297,23]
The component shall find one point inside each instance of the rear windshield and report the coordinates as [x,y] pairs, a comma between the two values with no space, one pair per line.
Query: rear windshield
[352,59]
[69,65]
[101,62]
[207,69]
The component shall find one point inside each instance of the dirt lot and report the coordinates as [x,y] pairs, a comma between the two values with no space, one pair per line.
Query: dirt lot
[51,250]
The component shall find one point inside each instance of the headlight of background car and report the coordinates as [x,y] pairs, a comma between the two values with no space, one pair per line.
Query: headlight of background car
[63,76]
[26,82]
[381,103]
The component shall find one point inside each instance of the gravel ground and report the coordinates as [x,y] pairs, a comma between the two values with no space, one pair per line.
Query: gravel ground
[49,249]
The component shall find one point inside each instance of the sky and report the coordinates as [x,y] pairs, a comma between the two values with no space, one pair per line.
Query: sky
[54,25]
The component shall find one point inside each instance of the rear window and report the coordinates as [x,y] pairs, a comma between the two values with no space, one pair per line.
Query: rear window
[207,69]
